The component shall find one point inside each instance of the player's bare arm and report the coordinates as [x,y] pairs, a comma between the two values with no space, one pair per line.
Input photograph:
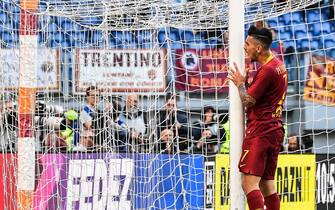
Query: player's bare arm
[239,80]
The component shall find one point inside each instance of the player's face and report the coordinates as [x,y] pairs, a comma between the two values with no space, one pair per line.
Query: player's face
[251,48]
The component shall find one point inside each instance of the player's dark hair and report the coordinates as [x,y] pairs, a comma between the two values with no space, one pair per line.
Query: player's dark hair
[263,35]
[89,89]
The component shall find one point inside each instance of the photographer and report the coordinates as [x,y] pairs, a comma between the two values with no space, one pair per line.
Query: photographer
[9,126]
[65,136]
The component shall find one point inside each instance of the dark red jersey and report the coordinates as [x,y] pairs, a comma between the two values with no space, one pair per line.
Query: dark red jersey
[269,88]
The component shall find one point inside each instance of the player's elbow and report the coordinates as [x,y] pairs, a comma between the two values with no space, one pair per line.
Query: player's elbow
[248,104]
[248,101]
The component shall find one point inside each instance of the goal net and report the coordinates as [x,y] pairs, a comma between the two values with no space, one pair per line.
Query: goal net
[124,104]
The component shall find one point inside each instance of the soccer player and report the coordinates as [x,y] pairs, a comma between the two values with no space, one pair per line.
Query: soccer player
[263,99]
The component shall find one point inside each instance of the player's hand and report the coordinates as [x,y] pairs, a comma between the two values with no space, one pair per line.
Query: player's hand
[235,76]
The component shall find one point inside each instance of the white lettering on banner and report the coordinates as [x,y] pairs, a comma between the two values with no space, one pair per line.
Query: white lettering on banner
[103,59]
[325,182]
[209,184]
[100,176]
[121,70]
[43,75]
[91,186]
[73,182]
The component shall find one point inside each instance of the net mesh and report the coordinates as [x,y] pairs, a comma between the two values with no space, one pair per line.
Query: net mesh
[152,133]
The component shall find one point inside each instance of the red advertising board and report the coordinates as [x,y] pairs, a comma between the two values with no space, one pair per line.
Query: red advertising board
[203,70]
[8,181]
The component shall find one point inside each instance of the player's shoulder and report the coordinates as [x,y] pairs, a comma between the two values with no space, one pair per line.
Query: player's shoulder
[275,66]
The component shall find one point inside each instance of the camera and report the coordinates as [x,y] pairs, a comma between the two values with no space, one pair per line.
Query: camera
[49,122]
[43,109]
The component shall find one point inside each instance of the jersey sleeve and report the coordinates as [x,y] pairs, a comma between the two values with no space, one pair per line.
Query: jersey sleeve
[261,83]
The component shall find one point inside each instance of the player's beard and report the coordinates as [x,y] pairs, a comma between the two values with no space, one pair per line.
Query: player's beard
[253,57]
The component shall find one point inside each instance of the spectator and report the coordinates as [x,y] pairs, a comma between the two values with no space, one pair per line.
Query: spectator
[261,24]
[108,133]
[212,135]
[9,125]
[277,47]
[134,119]
[176,120]
[86,119]
[293,145]
[166,145]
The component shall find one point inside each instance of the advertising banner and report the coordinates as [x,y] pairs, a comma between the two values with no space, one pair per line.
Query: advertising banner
[121,70]
[203,70]
[325,181]
[295,182]
[320,84]
[47,69]
[8,189]
[110,181]
[209,183]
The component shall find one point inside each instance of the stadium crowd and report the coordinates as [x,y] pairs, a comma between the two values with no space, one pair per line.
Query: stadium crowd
[112,127]
[128,128]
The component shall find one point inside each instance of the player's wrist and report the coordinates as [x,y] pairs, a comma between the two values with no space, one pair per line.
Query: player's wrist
[239,84]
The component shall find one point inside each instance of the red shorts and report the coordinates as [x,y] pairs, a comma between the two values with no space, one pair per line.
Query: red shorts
[260,154]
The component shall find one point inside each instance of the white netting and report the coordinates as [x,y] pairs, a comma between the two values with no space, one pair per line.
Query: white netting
[157,138]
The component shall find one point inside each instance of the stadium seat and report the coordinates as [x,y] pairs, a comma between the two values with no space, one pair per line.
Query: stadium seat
[129,36]
[7,37]
[303,45]
[297,17]
[69,25]
[162,36]
[198,45]
[80,39]
[281,24]
[53,27]
[331,53]
[200,36]
[215,41]
[329,43]
[289,43]
[300,35]
[315,29]
[91,21]
[144,36]
[174,35]
[3,18]
[273,23]
[286,18]
[112,43]
[300,28]
[284,36]
[315,44]
[313,15]
[325,13]
[65,44]
[129,45]
[97,37]
[188,36]
[326,27]
[175,45]
[16,19]
[57,36]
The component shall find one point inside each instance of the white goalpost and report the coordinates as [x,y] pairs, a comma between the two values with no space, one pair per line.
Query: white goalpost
[236,109]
